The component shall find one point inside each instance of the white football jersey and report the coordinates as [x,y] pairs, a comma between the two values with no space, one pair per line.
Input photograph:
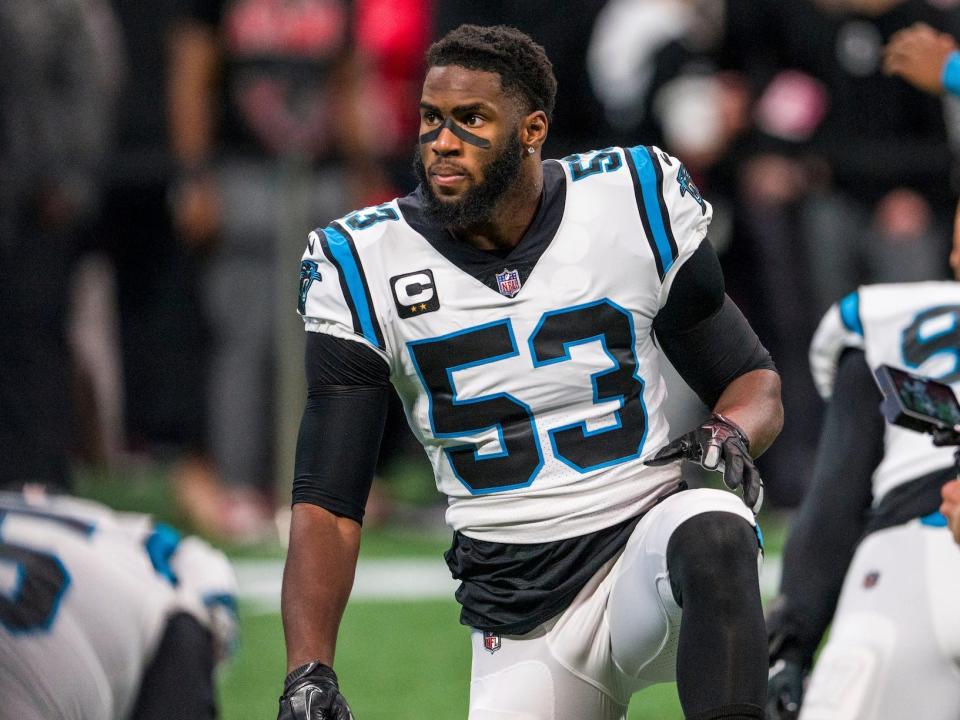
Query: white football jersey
[913,326]
[84,596]
[532,380]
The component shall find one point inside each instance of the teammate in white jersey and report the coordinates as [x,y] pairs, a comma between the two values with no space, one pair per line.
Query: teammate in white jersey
[520,308]
[106,616]
[869,540]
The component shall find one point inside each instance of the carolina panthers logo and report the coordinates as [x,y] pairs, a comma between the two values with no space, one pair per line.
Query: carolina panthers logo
[687,186]
[309,271]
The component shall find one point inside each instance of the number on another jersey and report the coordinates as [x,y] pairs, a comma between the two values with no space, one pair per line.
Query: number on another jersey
[934,332]
[39,584]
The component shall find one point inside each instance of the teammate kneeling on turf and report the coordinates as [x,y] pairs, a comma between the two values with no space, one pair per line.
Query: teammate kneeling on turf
[108,617]
[520,308]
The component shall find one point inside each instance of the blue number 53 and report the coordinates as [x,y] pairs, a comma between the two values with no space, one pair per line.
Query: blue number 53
[520,457]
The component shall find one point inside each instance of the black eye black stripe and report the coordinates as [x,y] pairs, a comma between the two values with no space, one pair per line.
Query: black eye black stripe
[460,132]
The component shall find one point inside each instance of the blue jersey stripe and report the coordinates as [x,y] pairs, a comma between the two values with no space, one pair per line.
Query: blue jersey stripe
[642,212]
[647,175]
[161,545]
[850,313]
[339,247]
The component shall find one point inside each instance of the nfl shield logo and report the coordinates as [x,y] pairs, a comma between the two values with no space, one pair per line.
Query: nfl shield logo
[491,641]
[508,282]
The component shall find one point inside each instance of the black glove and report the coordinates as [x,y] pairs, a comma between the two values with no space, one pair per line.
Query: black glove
[784,690]
[718,445]
[311,692]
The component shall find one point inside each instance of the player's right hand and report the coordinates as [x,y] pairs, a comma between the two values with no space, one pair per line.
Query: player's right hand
[718,445]
[311,692]
[784,690]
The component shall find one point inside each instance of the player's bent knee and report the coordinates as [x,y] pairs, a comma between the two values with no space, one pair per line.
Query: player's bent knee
[712,550]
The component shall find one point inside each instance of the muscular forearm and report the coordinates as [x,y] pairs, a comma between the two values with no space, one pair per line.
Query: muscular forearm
[752,401]
[317,580]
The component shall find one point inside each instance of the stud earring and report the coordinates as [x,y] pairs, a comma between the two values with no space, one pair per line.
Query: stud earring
[530,150]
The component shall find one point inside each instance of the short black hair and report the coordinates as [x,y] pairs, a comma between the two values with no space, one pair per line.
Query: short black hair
[522,64]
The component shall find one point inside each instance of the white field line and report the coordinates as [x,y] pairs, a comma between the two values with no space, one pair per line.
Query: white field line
[396,579]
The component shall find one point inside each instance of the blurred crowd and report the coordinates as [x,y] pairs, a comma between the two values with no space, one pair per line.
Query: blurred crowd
[161,162]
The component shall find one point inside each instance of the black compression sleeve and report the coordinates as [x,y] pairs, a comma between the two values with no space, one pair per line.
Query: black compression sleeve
[833,514]
[696,294]
[347,394]
[702,331]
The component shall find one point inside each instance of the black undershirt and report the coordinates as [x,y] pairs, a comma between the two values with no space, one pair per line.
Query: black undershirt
[505,587]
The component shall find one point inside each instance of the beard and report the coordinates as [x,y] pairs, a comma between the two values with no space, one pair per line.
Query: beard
[476,205]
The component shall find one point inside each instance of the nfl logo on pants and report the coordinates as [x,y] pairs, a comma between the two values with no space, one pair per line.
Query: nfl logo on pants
[491,641]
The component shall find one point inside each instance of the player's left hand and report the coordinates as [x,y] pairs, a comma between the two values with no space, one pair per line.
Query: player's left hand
[311,692]
[718,445]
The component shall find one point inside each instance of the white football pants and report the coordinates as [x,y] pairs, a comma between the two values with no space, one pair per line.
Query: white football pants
[618,636]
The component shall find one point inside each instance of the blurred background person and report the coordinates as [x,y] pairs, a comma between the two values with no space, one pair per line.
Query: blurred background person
[392,37]
[106,616]
[161,326]
[274,126]
[60,78]
[138,328]
[882,213]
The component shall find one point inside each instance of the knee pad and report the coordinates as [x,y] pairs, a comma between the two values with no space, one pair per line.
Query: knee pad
[716,548]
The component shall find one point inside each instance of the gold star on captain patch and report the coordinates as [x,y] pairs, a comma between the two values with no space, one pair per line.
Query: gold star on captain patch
[423,306]
[413,308]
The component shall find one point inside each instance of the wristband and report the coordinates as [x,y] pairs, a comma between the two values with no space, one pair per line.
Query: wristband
[951,73]
[314,667]
[731,423]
